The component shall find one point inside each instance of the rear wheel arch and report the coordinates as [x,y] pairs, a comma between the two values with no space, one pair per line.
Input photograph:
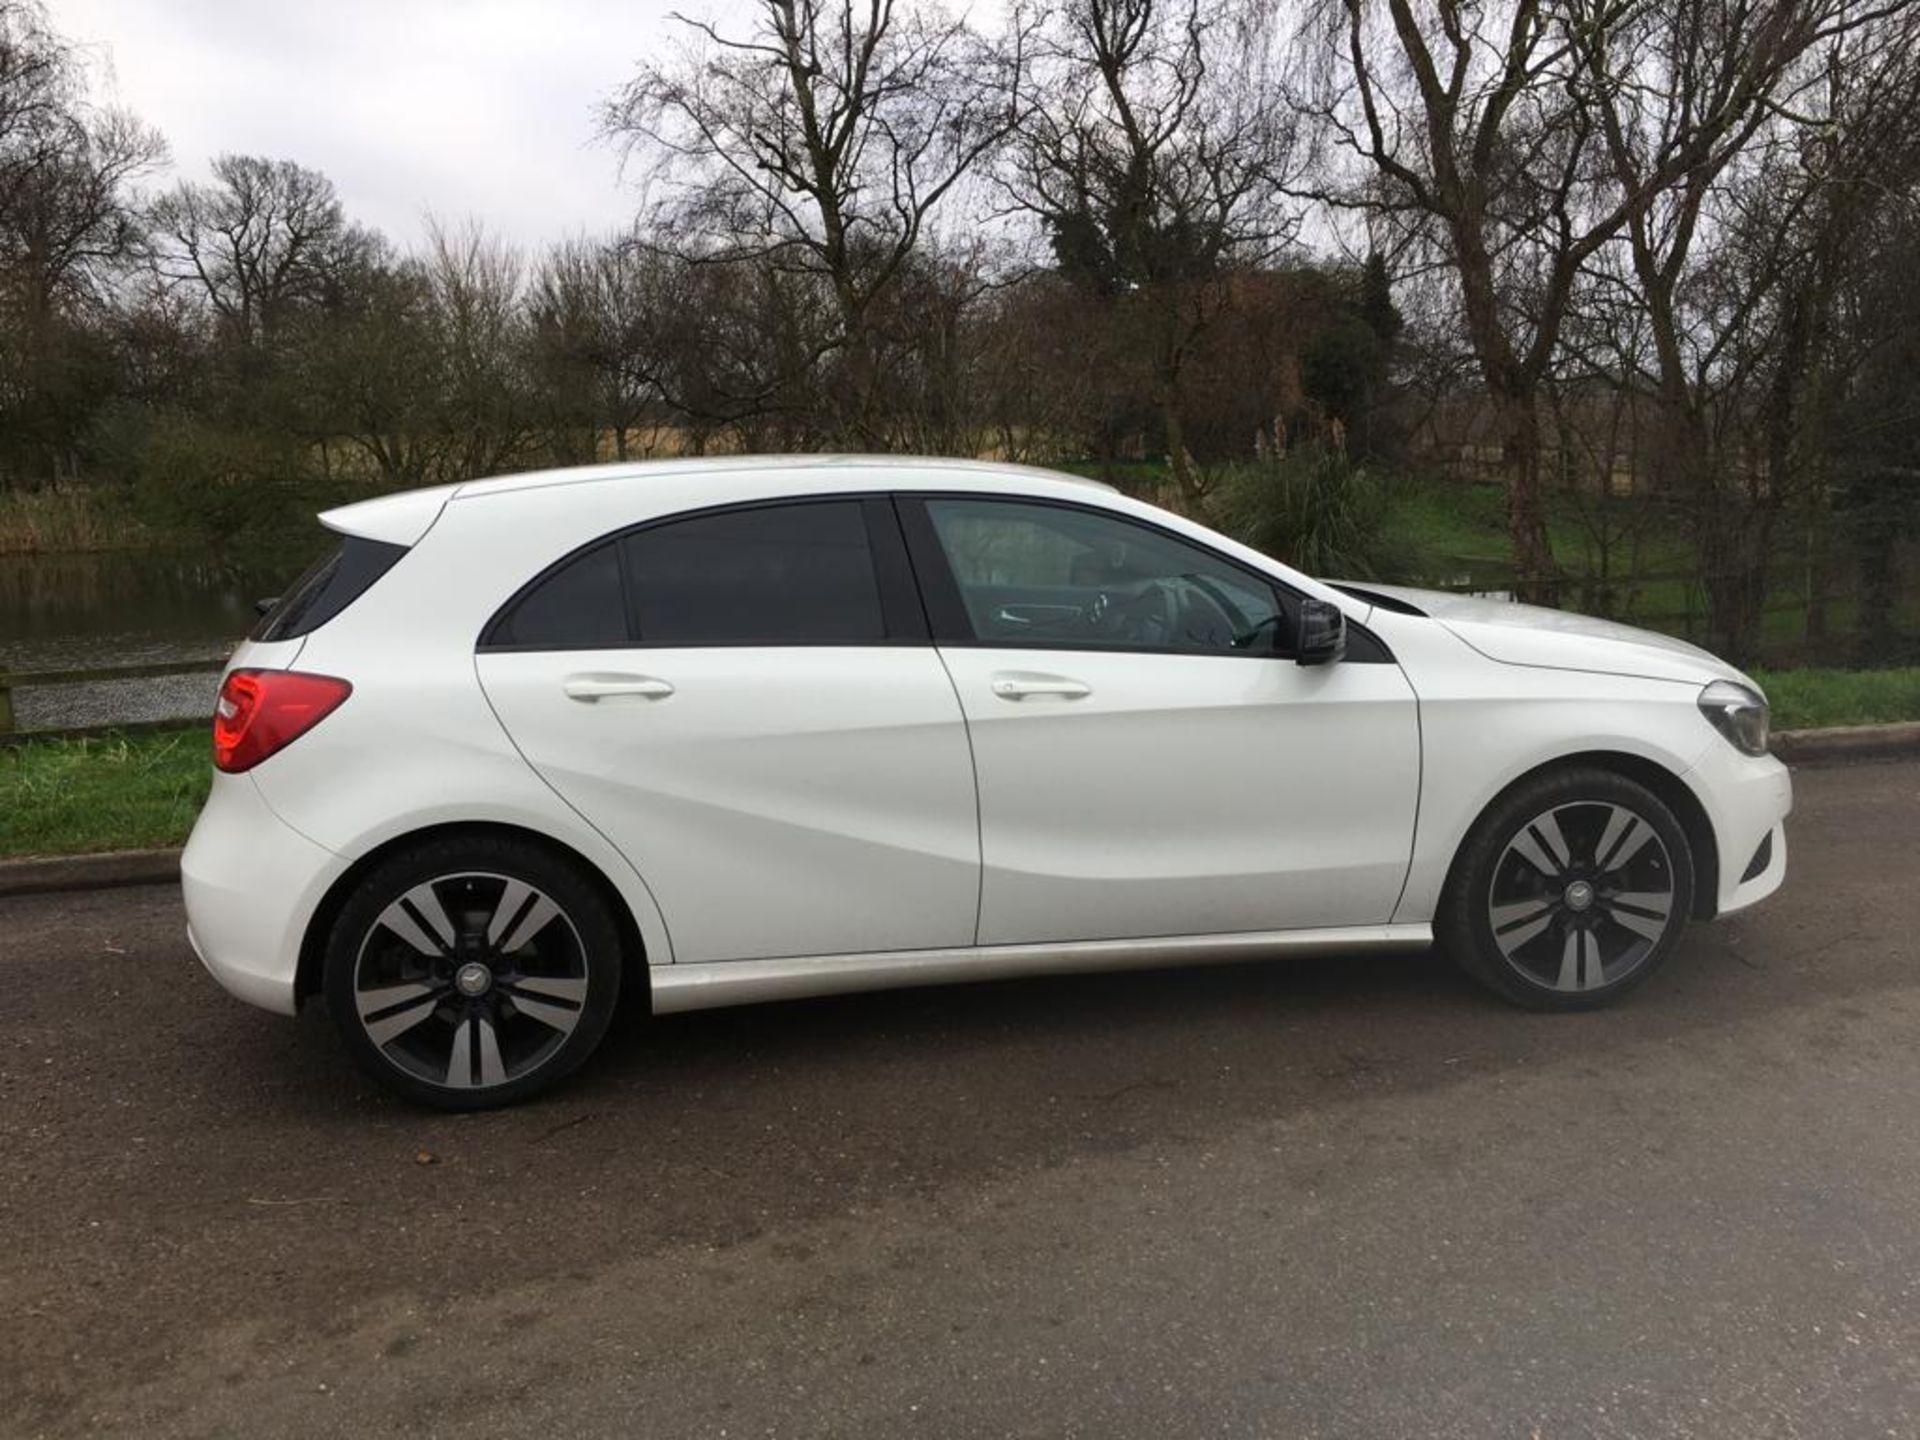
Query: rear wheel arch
[313,945]
[1666,785]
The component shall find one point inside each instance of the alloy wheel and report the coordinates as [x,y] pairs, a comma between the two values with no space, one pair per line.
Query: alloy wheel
[1582,896]
[470,980]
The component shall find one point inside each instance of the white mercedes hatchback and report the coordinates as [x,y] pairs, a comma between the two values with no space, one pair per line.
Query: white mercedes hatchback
[744,729]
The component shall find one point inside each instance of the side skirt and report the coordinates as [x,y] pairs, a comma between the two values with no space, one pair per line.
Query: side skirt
[708,984]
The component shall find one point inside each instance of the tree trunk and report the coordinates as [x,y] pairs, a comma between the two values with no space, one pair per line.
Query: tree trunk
[1819,567]
[1735,535]
[1536,577]
[1191,495]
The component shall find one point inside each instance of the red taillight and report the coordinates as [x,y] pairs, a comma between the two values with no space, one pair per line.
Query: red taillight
[262,711]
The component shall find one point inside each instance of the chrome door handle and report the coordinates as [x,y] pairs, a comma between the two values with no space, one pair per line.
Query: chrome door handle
[1026,687]
[589,689]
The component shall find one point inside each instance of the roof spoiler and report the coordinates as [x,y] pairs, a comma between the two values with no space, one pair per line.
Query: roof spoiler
[393,519]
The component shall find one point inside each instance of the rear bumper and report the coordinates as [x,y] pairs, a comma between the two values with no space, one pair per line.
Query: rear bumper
[1747,800]
[251,883]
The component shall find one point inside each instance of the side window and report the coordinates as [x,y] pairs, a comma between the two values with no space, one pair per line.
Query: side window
[580,606]
[1040,574]
[329,586]
[800,574]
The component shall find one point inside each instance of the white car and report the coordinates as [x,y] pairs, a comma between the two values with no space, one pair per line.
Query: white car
[742,729]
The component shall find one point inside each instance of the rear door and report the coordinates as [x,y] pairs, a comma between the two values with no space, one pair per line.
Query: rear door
[747,703]
[1151,759]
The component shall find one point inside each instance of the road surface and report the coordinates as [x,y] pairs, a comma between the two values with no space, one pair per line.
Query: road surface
[1319,1198]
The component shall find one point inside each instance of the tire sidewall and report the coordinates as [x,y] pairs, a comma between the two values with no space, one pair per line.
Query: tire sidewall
[593,922]
[1467,928]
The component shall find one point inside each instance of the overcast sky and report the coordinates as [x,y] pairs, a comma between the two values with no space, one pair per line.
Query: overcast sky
[454,107]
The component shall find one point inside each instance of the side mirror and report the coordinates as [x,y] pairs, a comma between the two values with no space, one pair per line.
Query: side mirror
[1323,633]
[266,603]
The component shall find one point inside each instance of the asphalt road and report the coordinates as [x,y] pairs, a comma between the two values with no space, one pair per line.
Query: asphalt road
[1351,1198]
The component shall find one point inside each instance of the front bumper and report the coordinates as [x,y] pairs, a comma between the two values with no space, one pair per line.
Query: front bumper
[1747,799]
[251,884]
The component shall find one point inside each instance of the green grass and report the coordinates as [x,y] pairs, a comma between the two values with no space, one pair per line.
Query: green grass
[76,797]
[1457,521]
[1810,699]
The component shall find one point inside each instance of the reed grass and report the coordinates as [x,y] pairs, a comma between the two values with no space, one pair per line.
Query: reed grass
[65,520]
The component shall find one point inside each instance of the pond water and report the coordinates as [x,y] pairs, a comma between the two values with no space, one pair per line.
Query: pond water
[83,612]
[64,612]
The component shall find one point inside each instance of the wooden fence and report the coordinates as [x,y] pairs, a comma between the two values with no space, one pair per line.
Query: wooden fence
[11,681]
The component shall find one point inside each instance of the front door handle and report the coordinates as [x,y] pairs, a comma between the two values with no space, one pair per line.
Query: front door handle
[1026,685]
[590,689]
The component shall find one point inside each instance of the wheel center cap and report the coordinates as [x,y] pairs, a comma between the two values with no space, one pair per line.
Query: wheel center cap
[472,979]
[1579,895]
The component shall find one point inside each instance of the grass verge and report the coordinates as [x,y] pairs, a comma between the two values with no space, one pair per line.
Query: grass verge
[115,792]
[1812,699]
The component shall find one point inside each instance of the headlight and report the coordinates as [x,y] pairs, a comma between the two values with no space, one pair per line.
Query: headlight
[1738,713]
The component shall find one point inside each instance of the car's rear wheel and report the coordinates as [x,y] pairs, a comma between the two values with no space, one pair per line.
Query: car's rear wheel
[1570,891]
[472,972]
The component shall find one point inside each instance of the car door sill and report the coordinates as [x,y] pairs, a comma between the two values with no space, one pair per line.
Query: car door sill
[703,985]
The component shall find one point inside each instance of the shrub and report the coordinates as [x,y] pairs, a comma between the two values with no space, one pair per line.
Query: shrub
[223,488]
[1317,511]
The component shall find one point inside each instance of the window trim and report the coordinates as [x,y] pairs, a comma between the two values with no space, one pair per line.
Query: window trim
[902,614]
[951,625]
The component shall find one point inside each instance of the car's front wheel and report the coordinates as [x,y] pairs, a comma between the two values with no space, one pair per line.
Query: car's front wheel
[1570,891]
[470,972]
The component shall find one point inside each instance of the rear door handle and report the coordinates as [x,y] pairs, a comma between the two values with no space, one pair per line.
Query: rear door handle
[590,689]
[1025,685]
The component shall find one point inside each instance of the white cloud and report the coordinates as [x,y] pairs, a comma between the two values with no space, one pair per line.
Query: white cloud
[453,107]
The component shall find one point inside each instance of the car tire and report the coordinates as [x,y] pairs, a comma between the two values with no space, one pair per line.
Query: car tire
[473,971]
[1571,890]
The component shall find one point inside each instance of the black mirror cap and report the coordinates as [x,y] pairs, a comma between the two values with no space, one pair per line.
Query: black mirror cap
[1323,633]
[265,605]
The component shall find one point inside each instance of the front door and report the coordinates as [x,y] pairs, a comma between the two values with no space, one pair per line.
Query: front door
[1151,760]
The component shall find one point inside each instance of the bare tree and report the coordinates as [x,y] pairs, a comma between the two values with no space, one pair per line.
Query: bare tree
[1153,155]
[821,141]
[597,317]
[424,369]
[1478,122]
[1732,271]
[264,238]
[68,225]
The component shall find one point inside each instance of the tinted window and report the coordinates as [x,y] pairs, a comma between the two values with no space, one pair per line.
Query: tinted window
[580,606]
[773,575]
[1048,575]
[331,584]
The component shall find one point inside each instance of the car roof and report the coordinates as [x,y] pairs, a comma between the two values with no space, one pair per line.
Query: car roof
[861,466]
[610,496]
[402,518]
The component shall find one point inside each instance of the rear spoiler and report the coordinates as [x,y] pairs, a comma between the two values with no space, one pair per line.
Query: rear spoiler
[391,519]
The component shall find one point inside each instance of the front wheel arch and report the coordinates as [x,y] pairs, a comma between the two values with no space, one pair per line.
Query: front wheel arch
[313,944]
[1671,790]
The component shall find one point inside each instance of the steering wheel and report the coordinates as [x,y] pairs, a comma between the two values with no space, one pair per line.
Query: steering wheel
[1208,621]
[1143,614]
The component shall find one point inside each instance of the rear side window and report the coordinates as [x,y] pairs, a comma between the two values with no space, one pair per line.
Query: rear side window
[331,584]
[580,606]
[775,575]
[794,574]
